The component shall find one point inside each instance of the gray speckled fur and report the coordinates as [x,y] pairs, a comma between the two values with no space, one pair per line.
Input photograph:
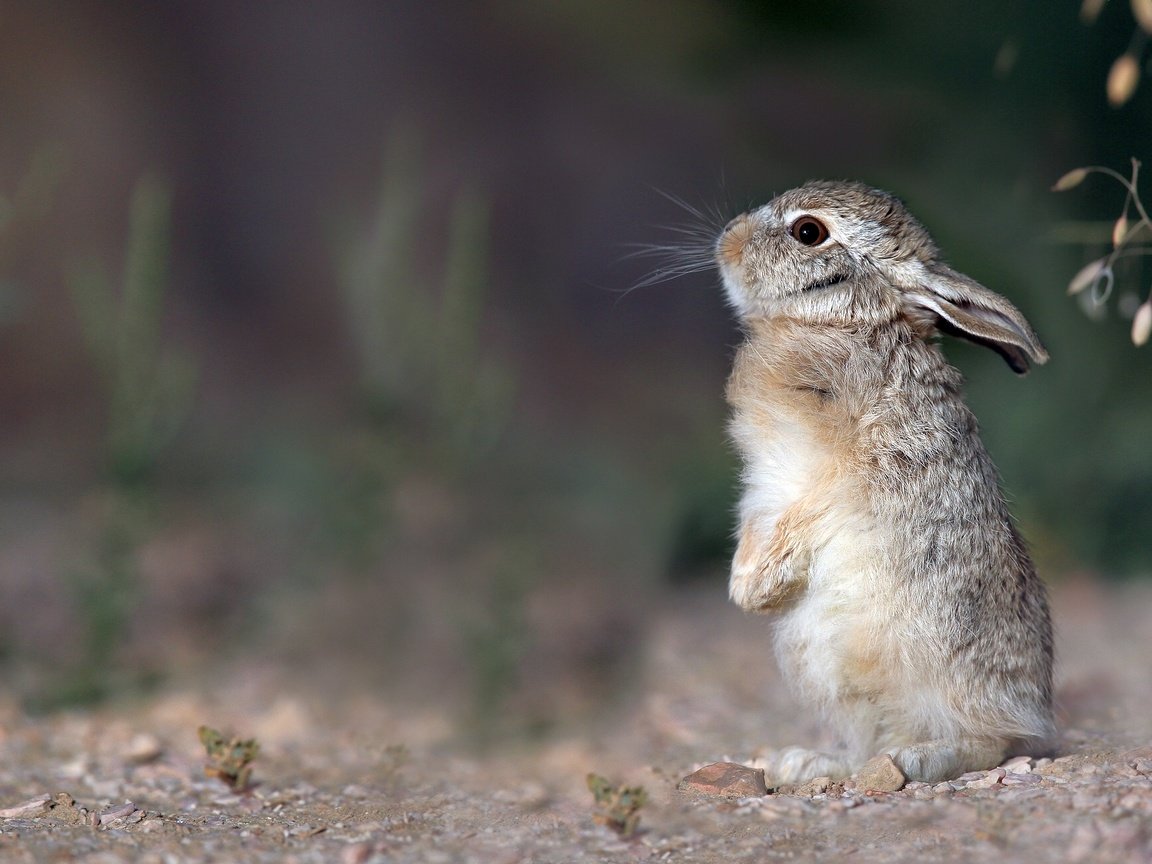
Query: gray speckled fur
[872,524]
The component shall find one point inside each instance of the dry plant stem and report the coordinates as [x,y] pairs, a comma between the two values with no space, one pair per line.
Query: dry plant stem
[1128,183]
[1120,237]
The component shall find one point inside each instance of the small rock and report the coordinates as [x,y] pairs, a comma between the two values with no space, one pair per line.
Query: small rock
[1018,765]
[65,809]
[990,779]
[848,803]
[31,807]
[816,786]
[1021,779]
[729,779]
[116,813]
[73,770]
[880,774]
[143,748]
[357,853]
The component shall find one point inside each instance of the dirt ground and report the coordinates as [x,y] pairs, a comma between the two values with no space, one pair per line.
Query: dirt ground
[347,776]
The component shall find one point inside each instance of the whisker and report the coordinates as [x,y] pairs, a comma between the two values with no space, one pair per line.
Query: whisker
[701,236]
[693,246]
[658,277]
[672,250]
[690,209]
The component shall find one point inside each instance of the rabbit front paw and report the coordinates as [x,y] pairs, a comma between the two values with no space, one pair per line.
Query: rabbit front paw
[763,578]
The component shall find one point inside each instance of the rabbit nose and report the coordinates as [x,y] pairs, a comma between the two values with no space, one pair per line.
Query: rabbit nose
[733,240]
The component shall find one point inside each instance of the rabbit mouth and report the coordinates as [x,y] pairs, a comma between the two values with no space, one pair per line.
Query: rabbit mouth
[826,282]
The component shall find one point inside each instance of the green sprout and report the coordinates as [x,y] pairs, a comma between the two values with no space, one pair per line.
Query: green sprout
[618,807]
[229,759]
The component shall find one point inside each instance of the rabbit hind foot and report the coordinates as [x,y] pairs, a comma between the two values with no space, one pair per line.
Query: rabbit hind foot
[945,759]
[797,765]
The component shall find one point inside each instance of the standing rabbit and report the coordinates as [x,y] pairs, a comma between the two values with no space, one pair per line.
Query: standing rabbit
[872,524]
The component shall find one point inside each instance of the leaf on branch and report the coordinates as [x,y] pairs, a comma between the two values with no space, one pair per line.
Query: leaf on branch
[1142,323]
[1086,276]
[1120,231]
[1090,10]
[1070,180]
[1122,79]
[1142,12]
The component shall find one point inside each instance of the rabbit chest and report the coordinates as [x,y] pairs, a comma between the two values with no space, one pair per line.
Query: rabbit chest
[803,494]
[796,432]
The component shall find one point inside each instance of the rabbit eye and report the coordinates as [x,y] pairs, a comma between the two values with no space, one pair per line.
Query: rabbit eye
[809,231]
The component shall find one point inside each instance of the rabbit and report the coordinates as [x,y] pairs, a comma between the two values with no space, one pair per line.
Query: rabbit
[872,525]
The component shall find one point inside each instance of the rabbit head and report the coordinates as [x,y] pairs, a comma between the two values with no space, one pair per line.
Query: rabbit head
[844,254]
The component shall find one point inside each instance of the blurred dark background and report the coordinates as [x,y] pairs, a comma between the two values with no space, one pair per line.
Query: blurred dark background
[317,343]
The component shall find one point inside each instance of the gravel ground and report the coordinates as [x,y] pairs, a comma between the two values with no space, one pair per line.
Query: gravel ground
[358,777]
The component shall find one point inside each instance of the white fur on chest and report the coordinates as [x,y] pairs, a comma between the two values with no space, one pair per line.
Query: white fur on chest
[781,461]
[836,645]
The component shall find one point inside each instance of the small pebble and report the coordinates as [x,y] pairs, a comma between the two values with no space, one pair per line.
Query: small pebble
[728,779]
[816,786]
[880,774]
[144,748]
[116,813]
[31,807]
[1021,779]
[357,853]
[1018,765]
[990,779]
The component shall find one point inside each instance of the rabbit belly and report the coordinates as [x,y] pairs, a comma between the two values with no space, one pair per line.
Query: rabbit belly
[839,647]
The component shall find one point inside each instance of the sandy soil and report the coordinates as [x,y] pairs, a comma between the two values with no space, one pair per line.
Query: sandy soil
[357,777]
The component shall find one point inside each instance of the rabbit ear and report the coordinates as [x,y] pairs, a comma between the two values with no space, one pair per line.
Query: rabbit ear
[967,309]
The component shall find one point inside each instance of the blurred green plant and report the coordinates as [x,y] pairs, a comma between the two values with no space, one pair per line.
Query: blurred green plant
[497,639]
[149,388]
[28,204]
[617,806]
[430,397]
[421,363]
[229,758]
[149,391]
